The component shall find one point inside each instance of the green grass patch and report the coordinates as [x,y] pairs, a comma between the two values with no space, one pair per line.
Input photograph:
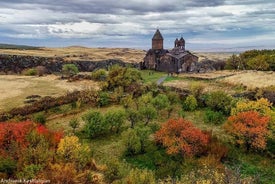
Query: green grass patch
[151,75]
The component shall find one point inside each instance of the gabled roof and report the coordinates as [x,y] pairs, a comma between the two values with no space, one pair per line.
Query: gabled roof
[157,35]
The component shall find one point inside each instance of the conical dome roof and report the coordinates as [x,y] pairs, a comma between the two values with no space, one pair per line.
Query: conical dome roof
[157,35]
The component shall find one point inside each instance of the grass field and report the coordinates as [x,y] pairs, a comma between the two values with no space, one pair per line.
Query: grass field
[97,54]
[83,53]
[14,89]
[229,81]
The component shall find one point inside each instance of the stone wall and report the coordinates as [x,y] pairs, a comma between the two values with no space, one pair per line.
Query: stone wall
[17,63]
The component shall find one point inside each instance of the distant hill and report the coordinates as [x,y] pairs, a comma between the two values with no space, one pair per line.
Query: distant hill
[20,47]
[80,53]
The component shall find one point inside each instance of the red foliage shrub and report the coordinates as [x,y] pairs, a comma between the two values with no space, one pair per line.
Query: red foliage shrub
[52,137]
[182,137]
[14,132]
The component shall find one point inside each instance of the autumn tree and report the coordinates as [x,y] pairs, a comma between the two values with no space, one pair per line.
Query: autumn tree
[249,129]
[262,106]
[180,136]
[71,150]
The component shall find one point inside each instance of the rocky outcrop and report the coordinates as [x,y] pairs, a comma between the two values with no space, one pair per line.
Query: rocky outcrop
[18,63]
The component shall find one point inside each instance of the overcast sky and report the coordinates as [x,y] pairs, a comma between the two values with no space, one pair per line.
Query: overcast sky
[205,24]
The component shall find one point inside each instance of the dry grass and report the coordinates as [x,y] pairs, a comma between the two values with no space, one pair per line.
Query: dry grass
[83,53]
[228,81]
[14,89]
[210,75]
[97,54]
[251,79]
[213,55]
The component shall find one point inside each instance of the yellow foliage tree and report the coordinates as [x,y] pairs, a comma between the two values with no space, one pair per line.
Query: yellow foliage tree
[70,150]
[262,106]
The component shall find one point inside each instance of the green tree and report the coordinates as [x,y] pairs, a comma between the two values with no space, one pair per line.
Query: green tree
[136,140]
[69,69]
[258,63]
[132,142]
[115,119]
[160,102]
[234,62]
[143,134]
[122,76]
[94,124]
[99,75]
[219,101]
[133,116]
[103,99]
[39,118]
[190,103]
[148,113]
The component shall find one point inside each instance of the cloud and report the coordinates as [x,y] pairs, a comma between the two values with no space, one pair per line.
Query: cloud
[134,21]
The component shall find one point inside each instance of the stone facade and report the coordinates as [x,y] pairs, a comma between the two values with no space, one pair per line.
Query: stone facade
[176,60]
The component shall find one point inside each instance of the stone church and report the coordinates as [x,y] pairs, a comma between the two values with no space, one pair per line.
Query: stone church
[176,60]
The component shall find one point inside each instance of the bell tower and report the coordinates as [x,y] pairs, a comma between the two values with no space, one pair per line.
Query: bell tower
[157,41]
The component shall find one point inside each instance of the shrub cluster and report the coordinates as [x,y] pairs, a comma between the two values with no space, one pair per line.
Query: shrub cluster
[97,124]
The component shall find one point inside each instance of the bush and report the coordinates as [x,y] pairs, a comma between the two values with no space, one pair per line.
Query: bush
[41,70]
[99,75]
[29,171]
[69,69]
[115,119]
[40,118]
[131,142]
[103,99]
[7,166]
[190,103]
[219,101]
[30,72]
[196,90]
[160,102]
[214,117]
[249,129]
[114,171]
[94,124]
[74,124]
[140,176]
[181,137]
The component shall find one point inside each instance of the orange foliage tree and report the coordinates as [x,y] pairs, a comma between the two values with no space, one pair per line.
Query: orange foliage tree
[182,137]
[249,129]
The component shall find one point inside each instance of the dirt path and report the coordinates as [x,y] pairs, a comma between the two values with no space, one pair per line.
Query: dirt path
[161,80]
